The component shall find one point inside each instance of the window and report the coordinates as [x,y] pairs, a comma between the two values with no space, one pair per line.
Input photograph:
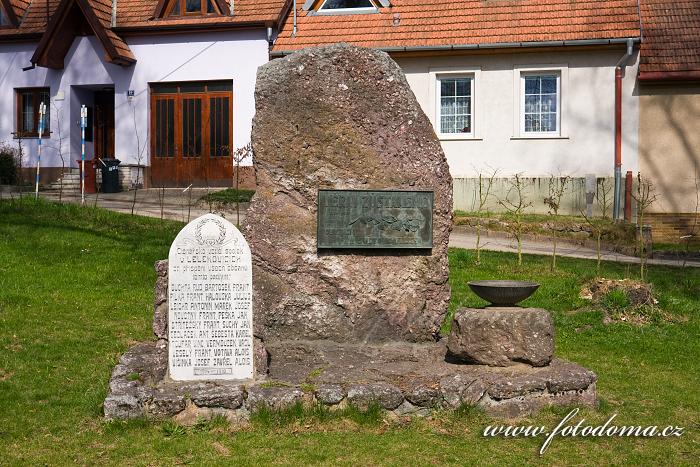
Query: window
[456,108]
[540,103]
[192,8]
[28,101]
[340,6]
[4,20]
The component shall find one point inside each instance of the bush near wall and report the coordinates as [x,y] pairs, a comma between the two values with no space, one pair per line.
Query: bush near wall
[8,165]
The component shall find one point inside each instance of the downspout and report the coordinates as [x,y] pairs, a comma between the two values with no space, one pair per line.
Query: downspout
[114,13]
[619,67]
[294,29]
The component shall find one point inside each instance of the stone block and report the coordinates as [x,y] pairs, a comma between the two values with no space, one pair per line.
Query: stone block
[501,336]
[385,395]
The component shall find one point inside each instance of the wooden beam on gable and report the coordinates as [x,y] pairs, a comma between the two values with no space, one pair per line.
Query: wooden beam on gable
[10,12]
[66,24]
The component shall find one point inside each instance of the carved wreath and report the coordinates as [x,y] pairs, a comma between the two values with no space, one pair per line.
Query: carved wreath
[210,241]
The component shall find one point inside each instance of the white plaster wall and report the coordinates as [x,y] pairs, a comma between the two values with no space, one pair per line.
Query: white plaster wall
[586,144]
[203,56]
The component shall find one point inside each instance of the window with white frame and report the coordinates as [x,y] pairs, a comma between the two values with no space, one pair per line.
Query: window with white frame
[541,103]
[456,105]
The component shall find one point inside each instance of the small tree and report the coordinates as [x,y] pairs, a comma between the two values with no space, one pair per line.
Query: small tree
[645,196]
[240,155]
[557,187]
[139,157]
[58,147]
[597,230]
[515,204]
[485,187]
[690,236]
[603,197]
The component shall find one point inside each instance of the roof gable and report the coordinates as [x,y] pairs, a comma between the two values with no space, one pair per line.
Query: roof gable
[8,12]
[73,17]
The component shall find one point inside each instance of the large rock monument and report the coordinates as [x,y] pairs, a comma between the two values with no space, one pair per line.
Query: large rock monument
[348,235]
[344,118]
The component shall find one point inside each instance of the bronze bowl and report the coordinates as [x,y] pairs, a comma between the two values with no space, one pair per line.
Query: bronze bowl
[503,293]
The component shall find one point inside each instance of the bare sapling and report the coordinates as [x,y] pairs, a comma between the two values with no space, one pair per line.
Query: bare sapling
[557,188]
[60,138]
[161,201]
[140,149]
[597,230]
[239,156]
[515,203]
[603,197]
[645,196]
[692,234]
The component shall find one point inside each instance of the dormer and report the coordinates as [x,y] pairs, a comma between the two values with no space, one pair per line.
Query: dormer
[344,7]
[173,9]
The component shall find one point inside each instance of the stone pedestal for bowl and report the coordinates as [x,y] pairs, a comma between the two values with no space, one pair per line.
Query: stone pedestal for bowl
[503,293]
[502,336]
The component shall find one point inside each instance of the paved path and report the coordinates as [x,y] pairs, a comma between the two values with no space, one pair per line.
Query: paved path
[498,241]
[175,206]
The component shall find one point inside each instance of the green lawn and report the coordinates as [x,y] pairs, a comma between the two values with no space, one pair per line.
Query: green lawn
[76,289]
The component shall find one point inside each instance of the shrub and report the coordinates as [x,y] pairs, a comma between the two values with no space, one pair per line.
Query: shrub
[8,165]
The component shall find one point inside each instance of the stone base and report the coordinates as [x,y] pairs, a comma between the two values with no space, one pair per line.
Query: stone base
[401,377]
[502,336]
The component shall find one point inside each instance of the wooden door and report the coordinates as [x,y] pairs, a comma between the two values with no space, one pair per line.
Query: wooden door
[191,128]
[103,122]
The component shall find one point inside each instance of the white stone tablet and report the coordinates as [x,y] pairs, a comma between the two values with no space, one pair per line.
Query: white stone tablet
[210,292]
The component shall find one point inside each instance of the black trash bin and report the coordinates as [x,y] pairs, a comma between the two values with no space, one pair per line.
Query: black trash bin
[110,176]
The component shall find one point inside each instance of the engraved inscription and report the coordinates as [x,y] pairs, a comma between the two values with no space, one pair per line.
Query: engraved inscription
[210,302]
[375,219]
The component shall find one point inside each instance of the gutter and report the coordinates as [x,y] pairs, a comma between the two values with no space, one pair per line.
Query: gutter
[155,28]
[619,67]
[495,45]
[651,76]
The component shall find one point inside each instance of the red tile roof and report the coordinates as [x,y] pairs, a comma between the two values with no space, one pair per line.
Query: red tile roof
[426,23]
[671,36]
[140,14]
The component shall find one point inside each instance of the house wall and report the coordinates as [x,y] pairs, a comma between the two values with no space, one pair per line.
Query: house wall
[669,136]
[586,143]
[182,57]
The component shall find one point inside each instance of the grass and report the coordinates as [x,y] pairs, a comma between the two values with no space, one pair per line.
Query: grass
[76,289]
[229,196]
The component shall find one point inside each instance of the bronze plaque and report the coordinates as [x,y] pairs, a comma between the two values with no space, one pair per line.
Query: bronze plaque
[375,219]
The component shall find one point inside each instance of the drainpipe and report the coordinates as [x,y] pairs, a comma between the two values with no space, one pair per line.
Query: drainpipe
[114,13]
[294,29]
[619,67]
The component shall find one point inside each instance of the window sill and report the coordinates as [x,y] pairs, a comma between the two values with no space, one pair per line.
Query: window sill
[459,138]
[539,137]
[31,137]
